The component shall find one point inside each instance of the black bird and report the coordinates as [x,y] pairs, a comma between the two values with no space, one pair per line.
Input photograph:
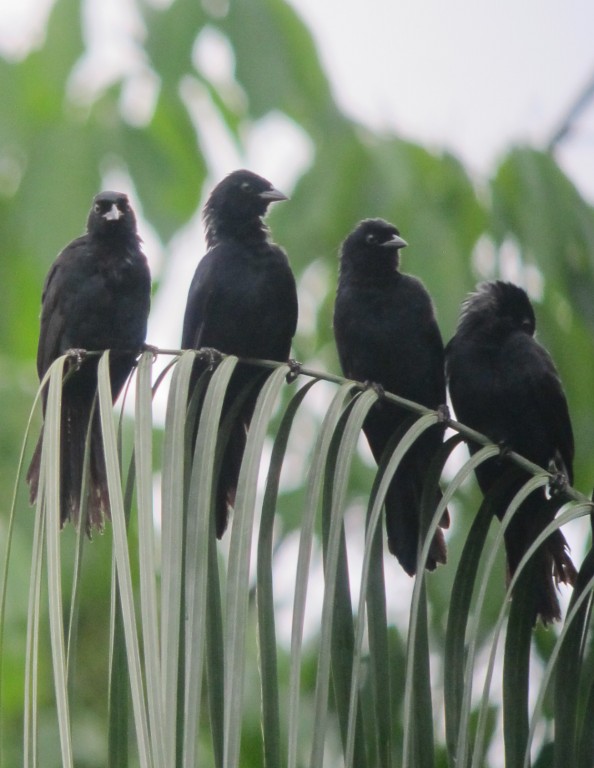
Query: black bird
[386,333]
[96,296]
[242,301]
[504,384]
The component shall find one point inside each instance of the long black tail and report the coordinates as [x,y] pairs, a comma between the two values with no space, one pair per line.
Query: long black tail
[240,401]
[550,565]
[74,424]
[403,509]
[229,474]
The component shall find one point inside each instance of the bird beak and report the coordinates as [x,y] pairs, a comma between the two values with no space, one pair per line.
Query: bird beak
[113,214]
[272,194]
[395,242]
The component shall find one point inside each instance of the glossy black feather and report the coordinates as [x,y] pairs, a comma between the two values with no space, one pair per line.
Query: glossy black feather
[96,296]
[504,384]
[386,333]
[242,301]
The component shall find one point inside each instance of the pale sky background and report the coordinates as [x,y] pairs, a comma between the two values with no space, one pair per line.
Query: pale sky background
[471,76]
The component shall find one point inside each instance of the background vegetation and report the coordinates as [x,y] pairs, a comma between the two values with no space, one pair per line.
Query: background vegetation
[59,143]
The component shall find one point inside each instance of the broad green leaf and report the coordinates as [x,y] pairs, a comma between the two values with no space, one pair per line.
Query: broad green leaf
[167,170]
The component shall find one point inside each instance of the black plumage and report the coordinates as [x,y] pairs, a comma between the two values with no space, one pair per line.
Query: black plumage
[504,384]
[242,301]
[96,296]
[386,332]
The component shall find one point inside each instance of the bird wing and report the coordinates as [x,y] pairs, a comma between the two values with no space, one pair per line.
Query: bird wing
[544,394]
[552,403]
[200,295]
[53,322]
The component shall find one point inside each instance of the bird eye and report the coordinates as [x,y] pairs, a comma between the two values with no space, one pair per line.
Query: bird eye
[246,186]
[97,208]
[370,238]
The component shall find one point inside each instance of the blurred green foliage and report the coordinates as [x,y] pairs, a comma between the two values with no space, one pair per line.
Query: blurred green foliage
[55,150]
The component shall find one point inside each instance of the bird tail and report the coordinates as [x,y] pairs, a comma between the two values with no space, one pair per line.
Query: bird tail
[33,471]
[229,475]
[403,509]
[238,408]
[75,419]
[550,565]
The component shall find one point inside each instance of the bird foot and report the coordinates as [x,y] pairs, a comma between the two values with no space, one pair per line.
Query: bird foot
[443,413]
[504,450]
[78,355]
[152,349]
[294,370]
[377,388]
[211,356]
[559,481]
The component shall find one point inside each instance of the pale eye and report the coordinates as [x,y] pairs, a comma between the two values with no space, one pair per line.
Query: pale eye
[97,208]
[245,186]
[370,238]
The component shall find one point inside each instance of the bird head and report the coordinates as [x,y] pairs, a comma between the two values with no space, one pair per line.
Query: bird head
[373,244]
[498,308]
[111,213]
[238,203]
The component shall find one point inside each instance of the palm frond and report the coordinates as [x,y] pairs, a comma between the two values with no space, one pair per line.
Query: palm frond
[181,616]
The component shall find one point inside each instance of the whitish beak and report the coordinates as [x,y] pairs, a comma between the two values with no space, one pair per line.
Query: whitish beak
[113,214]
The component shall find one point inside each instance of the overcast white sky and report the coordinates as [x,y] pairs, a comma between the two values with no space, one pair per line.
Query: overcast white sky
[473,76]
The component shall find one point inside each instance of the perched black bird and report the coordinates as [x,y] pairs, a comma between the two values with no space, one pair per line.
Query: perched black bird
[504,384]
[242,301]
[96,296]
[386,333]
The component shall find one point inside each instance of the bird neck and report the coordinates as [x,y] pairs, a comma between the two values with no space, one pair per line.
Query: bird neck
[250,231]
[117,236]
[382,273]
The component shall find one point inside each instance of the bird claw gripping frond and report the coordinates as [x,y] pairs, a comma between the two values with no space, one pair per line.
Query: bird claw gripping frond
[77,355]
[443,414]
[559,481]
[376,387]
[150,348]
[294,370]
[211,356]
[504,450]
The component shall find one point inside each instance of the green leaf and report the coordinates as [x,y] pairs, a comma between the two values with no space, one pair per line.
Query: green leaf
[314,487]
[337,476]
[264,592]
[124,577]
[51,495]
[295,82]
[167,169]
[143,461]
[199,533]
[238,571]
[172,549]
